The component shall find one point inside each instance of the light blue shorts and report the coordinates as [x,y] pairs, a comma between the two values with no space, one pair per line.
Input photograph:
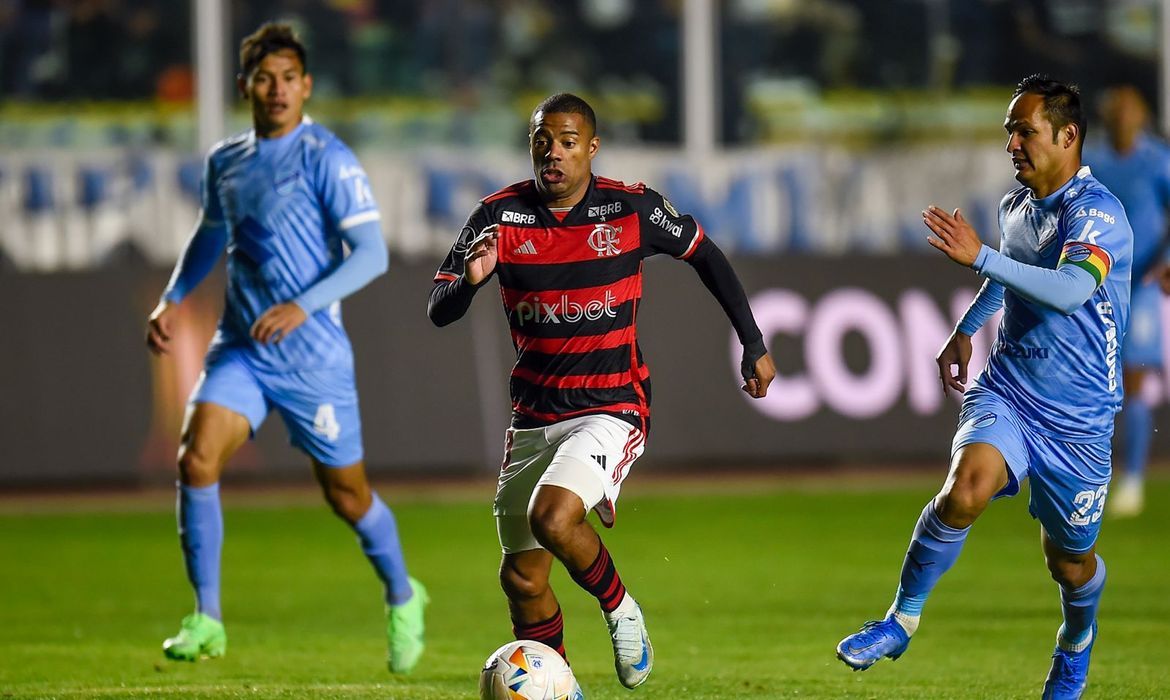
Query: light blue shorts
[1142,348]
[319,408]
[1069,480]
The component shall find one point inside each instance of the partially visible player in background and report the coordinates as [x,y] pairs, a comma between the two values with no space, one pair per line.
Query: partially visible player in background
[285,198]
[568,248]
[1135,166]
[1043,406]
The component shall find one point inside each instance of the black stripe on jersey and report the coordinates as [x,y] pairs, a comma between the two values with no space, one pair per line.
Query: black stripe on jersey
[573,275]
[609,361]
[542,400]
[623,317]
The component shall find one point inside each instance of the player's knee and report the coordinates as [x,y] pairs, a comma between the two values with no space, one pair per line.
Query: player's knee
[196,467]
[349,504]
[961,502]
[520,585]
[1069,571]
[552,524]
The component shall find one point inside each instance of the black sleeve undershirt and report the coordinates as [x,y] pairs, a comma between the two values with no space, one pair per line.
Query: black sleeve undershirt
[450,299]
[720,279]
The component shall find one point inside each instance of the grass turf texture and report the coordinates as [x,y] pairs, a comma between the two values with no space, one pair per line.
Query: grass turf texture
[746,595]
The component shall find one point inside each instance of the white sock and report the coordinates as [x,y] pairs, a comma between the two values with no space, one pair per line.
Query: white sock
[907,622]
[628,605]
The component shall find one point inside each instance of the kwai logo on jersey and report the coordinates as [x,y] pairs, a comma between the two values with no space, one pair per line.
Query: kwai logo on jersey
[565,311]
[604,239]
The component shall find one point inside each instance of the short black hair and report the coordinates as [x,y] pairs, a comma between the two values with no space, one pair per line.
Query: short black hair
[271,37]
[565,103]
[1062,102]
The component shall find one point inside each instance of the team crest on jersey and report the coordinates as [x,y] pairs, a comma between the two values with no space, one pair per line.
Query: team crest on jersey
[670,207]
[604,239]
[286,182]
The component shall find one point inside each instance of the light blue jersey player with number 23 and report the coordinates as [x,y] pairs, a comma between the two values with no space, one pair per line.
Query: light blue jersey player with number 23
[1043,406]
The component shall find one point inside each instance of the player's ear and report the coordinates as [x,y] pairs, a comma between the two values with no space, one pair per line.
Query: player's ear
[594,144]
[242,85]
[308,85]
[1071,133]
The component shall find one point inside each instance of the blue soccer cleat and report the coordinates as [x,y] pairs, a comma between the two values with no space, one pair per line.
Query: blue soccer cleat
[875,639]
[1069,673]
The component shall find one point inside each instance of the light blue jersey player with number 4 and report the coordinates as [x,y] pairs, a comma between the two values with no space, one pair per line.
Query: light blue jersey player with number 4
[1043,406]
[284,198]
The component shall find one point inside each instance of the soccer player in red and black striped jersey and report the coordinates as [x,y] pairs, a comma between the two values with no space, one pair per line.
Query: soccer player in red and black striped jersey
[567,248]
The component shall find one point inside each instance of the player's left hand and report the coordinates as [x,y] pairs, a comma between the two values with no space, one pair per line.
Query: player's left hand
[275,324]
[956,238]
[763,372]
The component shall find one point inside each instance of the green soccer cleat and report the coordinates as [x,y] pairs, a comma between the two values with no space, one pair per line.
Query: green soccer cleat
[200,636]
[404,630]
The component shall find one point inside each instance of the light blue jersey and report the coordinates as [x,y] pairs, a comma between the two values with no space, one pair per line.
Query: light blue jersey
[1141,181]
[1061,369]
[284,206]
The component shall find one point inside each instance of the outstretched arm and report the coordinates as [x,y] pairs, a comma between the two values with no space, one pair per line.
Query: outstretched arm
[202,251]
[1064,289]
[720,279]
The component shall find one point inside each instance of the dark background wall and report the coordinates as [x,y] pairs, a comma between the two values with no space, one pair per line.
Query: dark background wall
[82,400]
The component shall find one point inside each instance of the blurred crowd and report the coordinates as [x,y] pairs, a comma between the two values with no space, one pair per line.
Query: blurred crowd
[488,54]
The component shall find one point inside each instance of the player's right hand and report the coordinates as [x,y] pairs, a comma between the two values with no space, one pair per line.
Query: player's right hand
[482,255]
[956,353]
[159,327]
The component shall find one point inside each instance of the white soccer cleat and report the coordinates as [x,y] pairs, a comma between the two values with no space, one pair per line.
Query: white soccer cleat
[633,656]
[1127,500]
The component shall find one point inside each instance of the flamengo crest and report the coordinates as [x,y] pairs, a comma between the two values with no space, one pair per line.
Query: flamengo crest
[604,239]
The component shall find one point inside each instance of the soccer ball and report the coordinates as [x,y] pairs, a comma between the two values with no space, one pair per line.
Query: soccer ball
[527,670]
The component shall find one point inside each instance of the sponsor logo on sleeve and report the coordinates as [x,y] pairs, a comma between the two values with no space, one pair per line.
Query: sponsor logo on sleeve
[665,223]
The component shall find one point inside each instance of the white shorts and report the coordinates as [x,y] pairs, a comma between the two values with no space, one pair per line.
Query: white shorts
[589,456]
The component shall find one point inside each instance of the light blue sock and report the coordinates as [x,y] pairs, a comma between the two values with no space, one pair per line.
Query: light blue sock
[378,534]
[1138,434]
[201,534]
[1080,610]
[933,549]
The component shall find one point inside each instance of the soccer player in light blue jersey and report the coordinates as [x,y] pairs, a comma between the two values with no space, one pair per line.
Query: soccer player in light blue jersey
[1043,406]
[1135,166]
[285,199]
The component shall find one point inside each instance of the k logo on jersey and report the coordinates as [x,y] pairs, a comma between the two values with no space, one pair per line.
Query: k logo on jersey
[604,239]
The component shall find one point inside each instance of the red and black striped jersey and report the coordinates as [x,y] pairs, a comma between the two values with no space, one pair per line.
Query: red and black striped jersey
[571,288]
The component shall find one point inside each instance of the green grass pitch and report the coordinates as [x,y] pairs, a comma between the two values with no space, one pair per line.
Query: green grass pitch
[746,589]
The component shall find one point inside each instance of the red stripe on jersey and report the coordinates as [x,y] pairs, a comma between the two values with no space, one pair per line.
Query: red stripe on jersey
[576,343]
[566,244]
[554,417]
[586,303]
[445,277]
[699,236]
[579,381]
[513,190]
[606,183]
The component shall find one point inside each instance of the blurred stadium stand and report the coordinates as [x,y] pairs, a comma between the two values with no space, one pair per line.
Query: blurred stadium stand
[834,123]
